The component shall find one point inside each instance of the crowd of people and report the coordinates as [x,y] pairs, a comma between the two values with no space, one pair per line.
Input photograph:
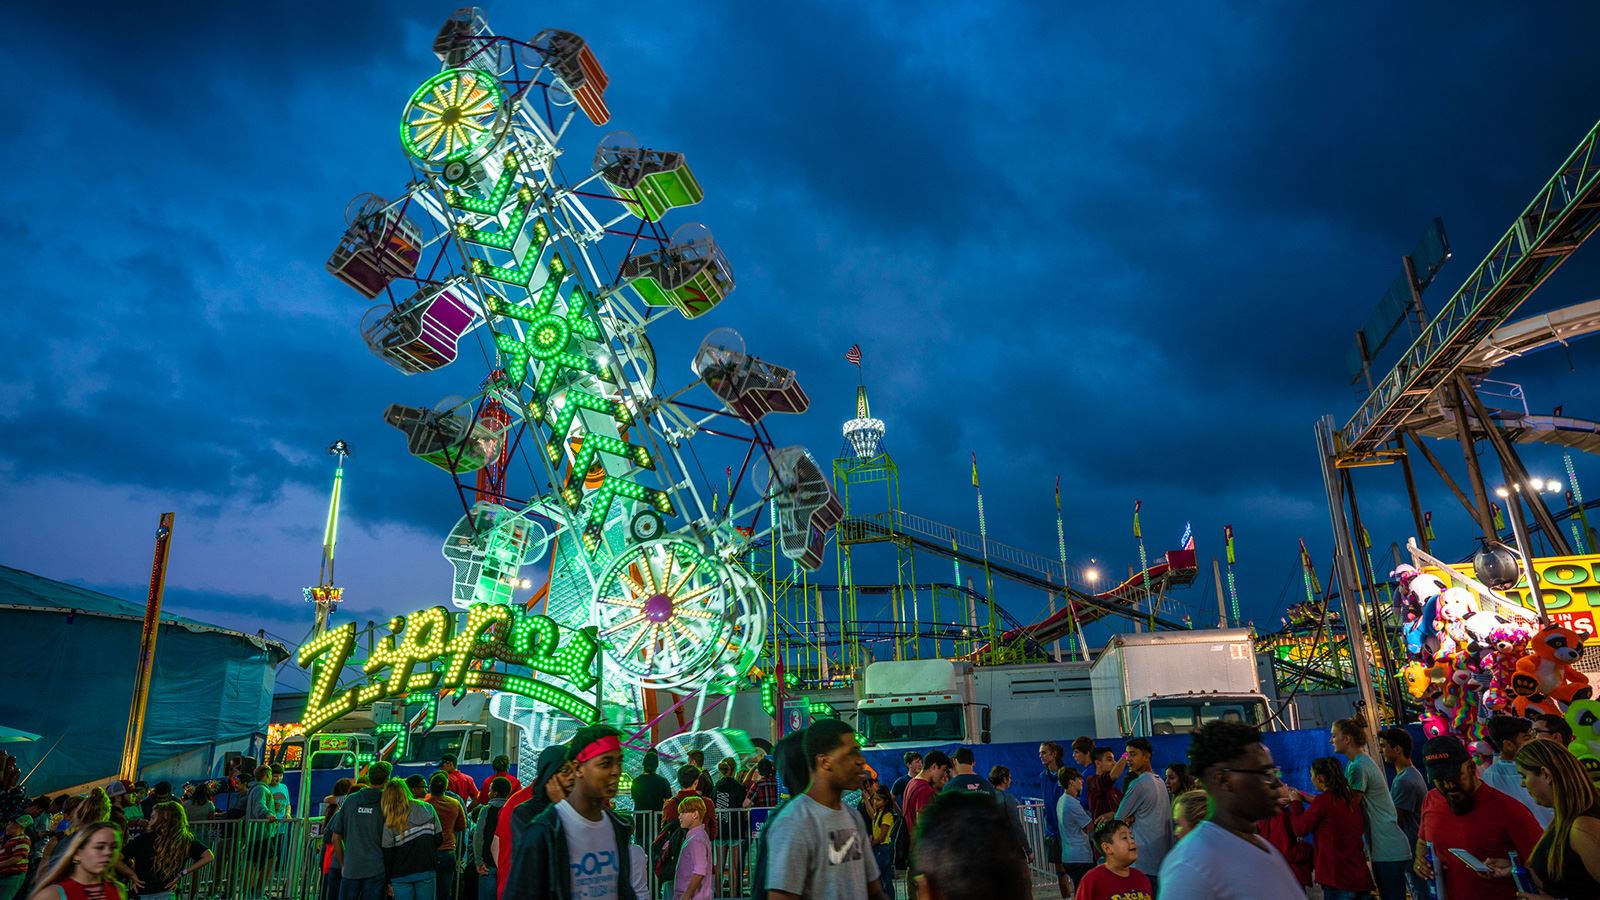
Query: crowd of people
[1221,823]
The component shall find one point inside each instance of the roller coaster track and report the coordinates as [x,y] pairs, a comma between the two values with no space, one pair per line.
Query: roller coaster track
[1022,567]
[1561,217]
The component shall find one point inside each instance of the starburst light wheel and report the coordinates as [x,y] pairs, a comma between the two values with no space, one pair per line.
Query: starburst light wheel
[458,115]
[663,611]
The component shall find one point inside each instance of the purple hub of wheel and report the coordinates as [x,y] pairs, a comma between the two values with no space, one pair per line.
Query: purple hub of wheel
[658,608]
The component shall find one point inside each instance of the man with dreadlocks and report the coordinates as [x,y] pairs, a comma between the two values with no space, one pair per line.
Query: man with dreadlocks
[578,848]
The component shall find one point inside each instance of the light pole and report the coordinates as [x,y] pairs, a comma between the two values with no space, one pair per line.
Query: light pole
[1513,495]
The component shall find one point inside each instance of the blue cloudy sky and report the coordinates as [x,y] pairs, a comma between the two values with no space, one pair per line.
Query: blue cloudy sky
[1126,246]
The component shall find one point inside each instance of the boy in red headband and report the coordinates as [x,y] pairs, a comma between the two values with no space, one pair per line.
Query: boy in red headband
[578,847]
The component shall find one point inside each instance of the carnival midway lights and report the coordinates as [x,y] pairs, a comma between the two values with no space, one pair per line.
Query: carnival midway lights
[529,262]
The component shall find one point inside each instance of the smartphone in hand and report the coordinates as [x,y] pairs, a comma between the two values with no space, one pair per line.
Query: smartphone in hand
[1472,862]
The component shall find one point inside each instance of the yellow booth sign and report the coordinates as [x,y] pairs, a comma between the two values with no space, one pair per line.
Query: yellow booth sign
[1570,586]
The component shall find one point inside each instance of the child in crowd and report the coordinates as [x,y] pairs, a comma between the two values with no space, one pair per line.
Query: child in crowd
[14,852]
[693,878]
[1189,810]
[1116,878]
[1076,853]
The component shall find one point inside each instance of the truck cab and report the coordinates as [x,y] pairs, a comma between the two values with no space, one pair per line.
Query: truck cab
[1184,713]
[921,702]
[1173,682]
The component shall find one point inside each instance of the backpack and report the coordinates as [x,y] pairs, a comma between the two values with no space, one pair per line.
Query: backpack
[665,849]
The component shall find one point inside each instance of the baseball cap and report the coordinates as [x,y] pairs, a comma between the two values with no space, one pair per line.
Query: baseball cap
[116,788]
[1443,756]
[25,820]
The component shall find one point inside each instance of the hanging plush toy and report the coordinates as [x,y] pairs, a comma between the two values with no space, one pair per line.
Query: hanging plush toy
[1456,606]
[1420,628]
[1434,725]
[1460,700]
[1584,717]
[1506,646]
[1418,683]
[1545,681]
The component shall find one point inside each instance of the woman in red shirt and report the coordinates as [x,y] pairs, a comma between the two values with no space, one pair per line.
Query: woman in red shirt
[85,869]
[1335,822]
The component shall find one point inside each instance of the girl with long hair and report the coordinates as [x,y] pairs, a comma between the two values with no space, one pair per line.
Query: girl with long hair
[1334,820]
[92,809]
[411,840]
[1566,861]
[85,868]
[156,860]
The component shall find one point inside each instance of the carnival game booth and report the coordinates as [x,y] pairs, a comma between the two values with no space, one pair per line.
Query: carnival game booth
[69,675]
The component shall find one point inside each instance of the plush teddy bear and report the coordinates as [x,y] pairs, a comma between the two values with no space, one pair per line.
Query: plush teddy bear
[1505,646]
[1545,680]
[1584,717]
[1456,607]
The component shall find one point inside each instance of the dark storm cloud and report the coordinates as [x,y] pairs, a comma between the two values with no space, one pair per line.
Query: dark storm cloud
[1129,249]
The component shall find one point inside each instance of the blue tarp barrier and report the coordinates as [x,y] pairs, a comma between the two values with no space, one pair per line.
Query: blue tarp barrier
[1292,751]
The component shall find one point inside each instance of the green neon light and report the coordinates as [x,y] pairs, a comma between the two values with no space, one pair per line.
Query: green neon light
[556,340]
[551,337]
[769,698]
[424,651]
[452,116]
[521,272]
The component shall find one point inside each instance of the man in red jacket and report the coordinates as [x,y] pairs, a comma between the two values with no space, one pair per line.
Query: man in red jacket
[459,782]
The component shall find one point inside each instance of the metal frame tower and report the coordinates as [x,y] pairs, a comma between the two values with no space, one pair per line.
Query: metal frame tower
[862,466]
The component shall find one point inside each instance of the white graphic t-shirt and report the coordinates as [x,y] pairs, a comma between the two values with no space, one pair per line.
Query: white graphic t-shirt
[591,854]
[818,852]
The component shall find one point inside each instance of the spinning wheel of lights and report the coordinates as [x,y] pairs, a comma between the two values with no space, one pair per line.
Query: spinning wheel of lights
[457,115]
[664,612]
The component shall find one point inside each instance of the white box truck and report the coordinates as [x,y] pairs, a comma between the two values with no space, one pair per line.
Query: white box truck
[921,701]
[939,700]
[1172,682]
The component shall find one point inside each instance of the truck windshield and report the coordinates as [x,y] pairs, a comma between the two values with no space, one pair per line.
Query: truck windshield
[469,745]
[917,723]
[1182,716]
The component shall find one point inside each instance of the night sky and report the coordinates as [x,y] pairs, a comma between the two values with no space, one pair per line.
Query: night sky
[1125,247]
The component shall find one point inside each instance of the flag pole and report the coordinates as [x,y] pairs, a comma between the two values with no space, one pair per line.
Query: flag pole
[1066,582]
[988,578]
[1144,564]
[1575,500]
[1233,591]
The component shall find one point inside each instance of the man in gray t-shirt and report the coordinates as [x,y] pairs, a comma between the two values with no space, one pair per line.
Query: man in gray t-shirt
[1148,809]
[358,826]
[818,847]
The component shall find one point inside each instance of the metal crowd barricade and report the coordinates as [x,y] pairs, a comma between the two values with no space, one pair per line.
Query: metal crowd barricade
[732,849]
[279,860]
[1032,813]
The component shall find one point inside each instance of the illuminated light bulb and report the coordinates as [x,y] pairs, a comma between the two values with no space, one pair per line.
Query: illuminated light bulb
[1501,492]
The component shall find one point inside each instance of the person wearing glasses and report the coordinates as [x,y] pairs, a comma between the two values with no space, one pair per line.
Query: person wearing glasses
[1463,813]
[1224,858]
[1552,727]
[1387,846]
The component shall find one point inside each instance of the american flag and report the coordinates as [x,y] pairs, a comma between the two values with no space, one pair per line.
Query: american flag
[853,355]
